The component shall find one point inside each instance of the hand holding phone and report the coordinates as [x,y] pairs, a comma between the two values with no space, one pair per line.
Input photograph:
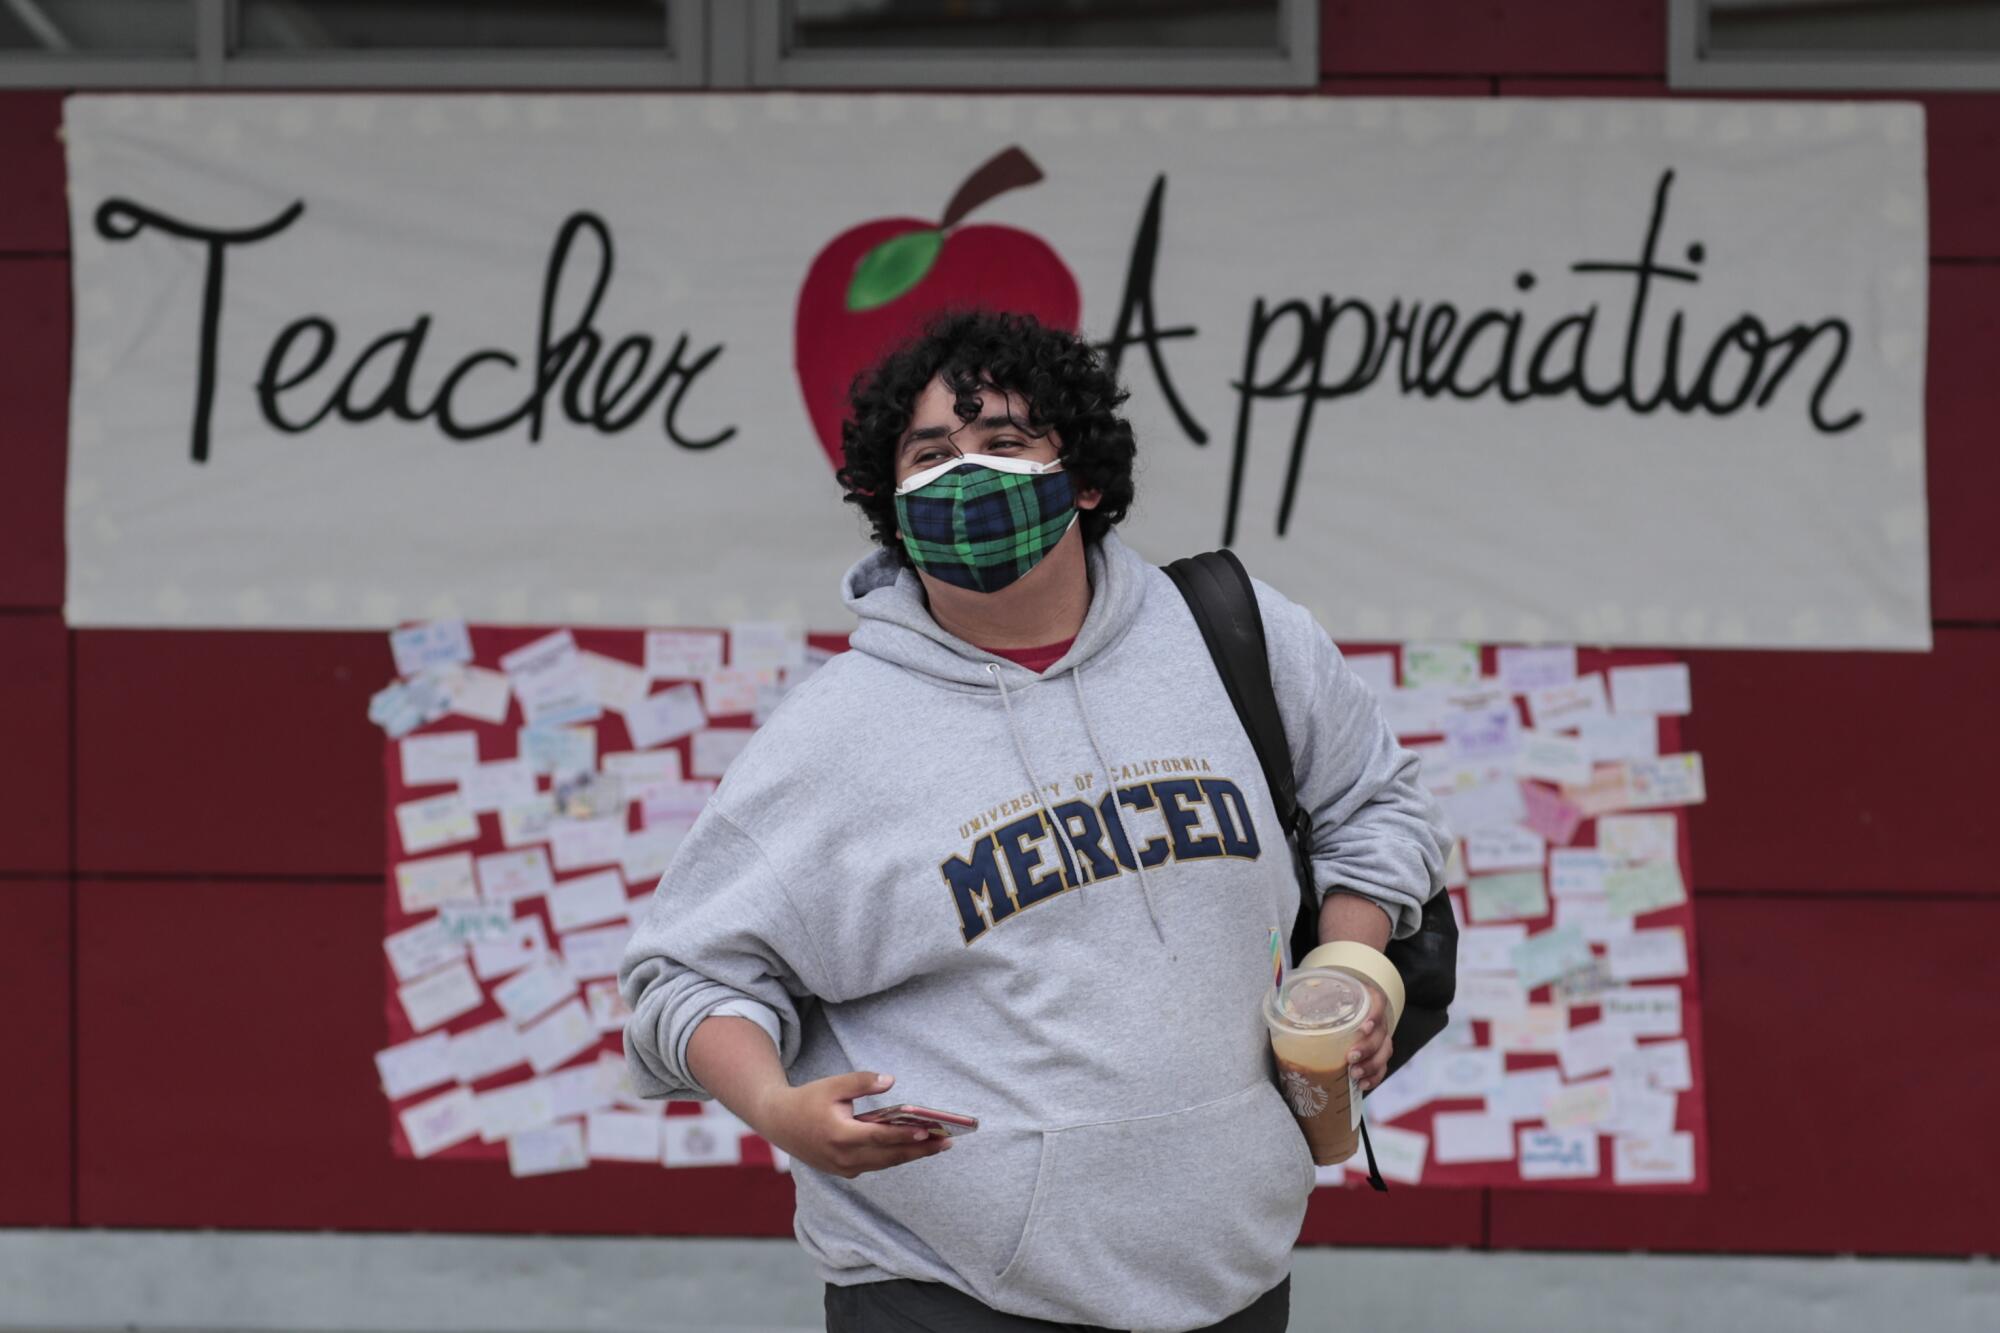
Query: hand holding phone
[947,1124]
[816,1124]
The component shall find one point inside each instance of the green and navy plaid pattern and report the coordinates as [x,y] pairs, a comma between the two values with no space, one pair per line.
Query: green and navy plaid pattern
[981,528]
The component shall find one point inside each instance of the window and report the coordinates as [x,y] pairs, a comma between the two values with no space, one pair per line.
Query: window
[981,45]
[355,43]
[973,45]
[1834,44]
[70,27]
[440,25]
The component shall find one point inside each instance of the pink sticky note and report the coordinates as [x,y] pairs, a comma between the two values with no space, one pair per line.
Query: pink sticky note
[1549,814]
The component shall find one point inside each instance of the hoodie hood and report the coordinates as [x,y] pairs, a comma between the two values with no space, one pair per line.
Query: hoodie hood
[897,627]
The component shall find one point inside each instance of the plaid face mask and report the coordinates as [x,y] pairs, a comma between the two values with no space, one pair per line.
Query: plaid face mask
[982,521]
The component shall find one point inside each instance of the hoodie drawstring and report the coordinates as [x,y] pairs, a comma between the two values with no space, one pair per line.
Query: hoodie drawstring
[1125,831]
[1041,799]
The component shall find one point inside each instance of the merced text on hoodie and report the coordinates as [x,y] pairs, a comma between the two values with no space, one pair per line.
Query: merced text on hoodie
[1045,901]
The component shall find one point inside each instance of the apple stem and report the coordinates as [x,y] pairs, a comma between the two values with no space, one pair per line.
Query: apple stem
[1009,169]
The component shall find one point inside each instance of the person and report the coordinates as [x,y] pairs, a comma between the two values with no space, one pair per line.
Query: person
[1012,856]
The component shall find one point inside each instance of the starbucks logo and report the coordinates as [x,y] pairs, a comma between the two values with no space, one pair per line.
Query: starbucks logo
[1306,1099]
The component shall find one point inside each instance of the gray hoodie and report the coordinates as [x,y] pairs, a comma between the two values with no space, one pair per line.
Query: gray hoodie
[877,883]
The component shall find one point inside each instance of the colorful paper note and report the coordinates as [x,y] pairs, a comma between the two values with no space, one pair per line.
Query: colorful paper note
[1524,670]
[622,1136]
[1560,707]
[559,751]
[484,696]
[1651,690]
[1504,848]
[424,947]
[664,718]
[1579,1105]
[442,1122]
[1546,812]
[523,943]
[560,1036]
[1619,737]
[490,787]
[1673,779]
[682,654]
[1509,897]
[1632,838]
[1440,663]
[1553,758]
[435,821]
[439,997]
[1636,890]
[483,1051]
[1471,1136]
[544,1151]
[616,685]
[438,759]
[1648,955]
[425,884]
[414,1066]
[1543,957]
[578,844]
[508,877]
[588,900]
[1536,1030]
[550,680]
[1666,1160]
[434,643]
[1557,1154]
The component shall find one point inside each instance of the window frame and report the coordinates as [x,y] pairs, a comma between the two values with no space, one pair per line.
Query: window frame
[680,62]
[1295,66]
[1691,65]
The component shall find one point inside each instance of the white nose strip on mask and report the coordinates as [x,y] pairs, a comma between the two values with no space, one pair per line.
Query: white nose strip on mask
[1024,466]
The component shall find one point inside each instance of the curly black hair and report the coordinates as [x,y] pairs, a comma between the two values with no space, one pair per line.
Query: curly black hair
[1066,383]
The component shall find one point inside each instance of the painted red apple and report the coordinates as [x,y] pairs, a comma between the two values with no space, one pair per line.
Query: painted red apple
[880,282]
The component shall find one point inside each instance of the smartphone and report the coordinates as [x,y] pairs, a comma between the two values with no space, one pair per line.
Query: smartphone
[922,1117]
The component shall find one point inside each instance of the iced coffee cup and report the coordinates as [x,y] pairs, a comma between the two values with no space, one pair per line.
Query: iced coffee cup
[1314,1018]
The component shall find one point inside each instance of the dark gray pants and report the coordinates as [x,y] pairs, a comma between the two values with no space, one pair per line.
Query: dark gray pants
[902,1306]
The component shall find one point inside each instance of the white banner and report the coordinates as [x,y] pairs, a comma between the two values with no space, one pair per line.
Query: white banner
[1614,372]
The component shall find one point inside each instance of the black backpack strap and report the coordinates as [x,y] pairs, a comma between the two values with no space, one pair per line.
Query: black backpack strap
[1224,603]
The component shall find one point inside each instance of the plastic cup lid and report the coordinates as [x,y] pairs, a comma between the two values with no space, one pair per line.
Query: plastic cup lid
[1318,999]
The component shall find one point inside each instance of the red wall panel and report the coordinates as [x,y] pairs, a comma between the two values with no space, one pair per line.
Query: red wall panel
[1421,1217]
[1399,87]
[221,752]
[35,761]
[1493,37]
[35,1051]
[1964,136]
[1962,404]
[225,1080]
[36,217]
[1839,772]
[34,427]
[1849,1049]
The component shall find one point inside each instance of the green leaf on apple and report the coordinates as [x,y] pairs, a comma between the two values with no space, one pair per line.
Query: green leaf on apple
[893,267]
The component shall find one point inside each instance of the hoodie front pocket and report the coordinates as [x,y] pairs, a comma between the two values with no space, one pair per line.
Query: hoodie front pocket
[1170,1220]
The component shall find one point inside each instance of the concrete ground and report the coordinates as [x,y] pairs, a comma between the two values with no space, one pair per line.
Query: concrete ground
[339,1283]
